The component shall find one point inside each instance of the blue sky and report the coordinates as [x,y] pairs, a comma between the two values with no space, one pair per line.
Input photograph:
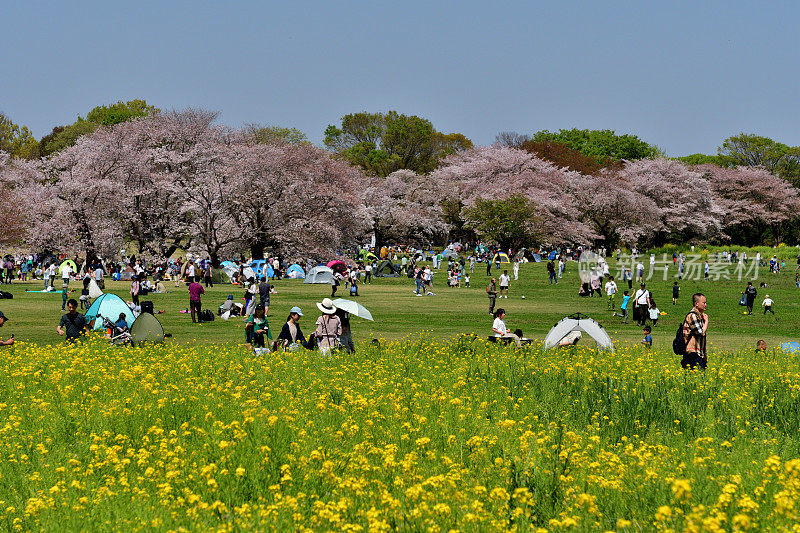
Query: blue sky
[682,75]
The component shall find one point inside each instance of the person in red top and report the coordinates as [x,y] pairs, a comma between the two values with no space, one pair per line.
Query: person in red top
[195,290]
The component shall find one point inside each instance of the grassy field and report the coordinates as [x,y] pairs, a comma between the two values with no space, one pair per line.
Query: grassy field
[429,430]
[399,314]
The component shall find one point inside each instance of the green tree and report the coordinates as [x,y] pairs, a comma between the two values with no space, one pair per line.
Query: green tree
[754,150]
[601,144]
[17,140]
[271,134]
[65,136]
[108,115]
[381,143]
[510,222]
[702,159]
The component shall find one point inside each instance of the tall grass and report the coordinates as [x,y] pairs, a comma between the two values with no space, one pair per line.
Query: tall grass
[410,436]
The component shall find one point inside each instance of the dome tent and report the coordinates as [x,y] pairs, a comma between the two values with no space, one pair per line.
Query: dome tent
[295,271]
[580,323]
[387,270]
[146,329]
[319,274]
[109,306]
[501,258]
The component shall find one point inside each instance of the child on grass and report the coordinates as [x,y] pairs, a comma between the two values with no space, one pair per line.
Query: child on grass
[623,307]
[648,339]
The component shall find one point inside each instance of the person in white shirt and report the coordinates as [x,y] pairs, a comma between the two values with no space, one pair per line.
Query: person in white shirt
[505,279]
[190,271]
[499,327]
[52,269]
[611,291]
[767,305]
[66,272]
[642,298]
[516,269]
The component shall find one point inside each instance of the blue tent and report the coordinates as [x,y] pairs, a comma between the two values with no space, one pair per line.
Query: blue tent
[300,273]
[790,347]
[552,255]
[109,306]
[258,267]
[537,258]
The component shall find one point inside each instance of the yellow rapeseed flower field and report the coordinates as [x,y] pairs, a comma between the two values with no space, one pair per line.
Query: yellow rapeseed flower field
[438,436]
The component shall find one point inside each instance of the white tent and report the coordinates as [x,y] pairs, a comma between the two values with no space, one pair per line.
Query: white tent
[94,289]
[319,274]
[581,323]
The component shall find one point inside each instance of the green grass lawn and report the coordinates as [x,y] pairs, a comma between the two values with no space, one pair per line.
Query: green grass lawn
[399,313]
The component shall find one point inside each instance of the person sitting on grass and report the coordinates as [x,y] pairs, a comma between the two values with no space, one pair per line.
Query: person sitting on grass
[256,327]
[7,342]
[648,339]
[291,336]
[500,330]
[121,323]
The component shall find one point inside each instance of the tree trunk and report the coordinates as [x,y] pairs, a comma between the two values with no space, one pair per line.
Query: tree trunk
[257,250]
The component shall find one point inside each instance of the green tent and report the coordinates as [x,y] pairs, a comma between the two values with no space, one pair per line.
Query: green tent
[146,329]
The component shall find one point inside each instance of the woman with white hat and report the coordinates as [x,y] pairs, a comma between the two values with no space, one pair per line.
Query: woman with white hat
[329,327]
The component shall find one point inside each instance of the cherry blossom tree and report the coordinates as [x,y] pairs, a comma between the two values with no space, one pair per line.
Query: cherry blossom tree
[754,200]
[686,204]
[405,207]
[294,198]
[499,172]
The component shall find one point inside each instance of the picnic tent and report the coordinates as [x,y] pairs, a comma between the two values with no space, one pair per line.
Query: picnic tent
[387,270]
[579,323]
[319,274]
[146,329]
[230,269]
[109,306]
[94,289]
[450,254]
[537,258]
[72,265]
[790,347]
[258,268]
[501,258]
[295,271]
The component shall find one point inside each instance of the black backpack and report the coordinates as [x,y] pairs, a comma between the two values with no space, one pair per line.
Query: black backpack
[679,343]
[206,315]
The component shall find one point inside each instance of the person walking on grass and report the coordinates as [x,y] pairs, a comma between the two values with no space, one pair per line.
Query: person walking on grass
[551,271]
[676,291]
[491,292]
[642,299]
[611,292]
[516,269]
[750,294]
[767,305]
[695,329]
[195,305]
[504,281]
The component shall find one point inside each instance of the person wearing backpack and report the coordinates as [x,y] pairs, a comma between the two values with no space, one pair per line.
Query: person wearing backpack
[690,340]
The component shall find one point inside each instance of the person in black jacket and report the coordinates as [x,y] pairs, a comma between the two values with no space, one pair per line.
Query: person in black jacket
[291,333]
[750,294]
